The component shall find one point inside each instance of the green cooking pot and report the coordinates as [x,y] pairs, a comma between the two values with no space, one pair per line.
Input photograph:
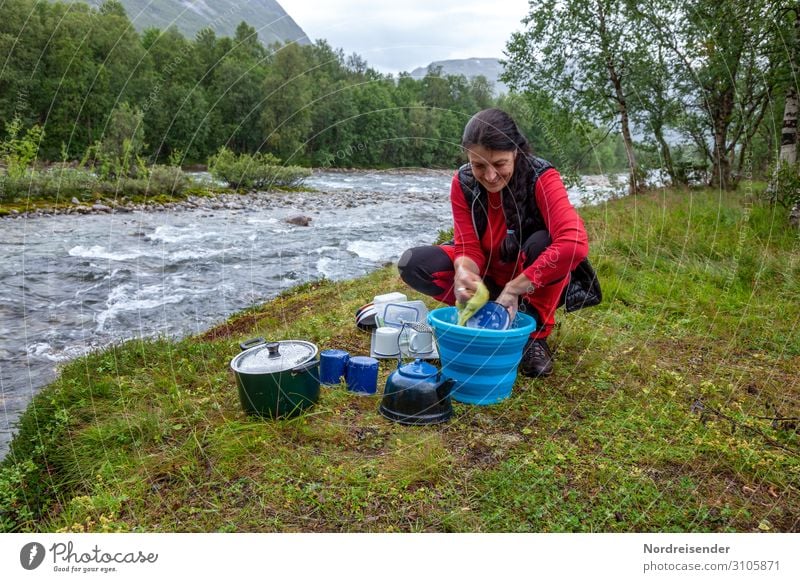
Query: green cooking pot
[277,379]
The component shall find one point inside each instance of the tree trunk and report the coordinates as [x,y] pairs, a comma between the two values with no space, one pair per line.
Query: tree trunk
[741,170]
[789,131]
[665,152]
[634,187]
[721,169]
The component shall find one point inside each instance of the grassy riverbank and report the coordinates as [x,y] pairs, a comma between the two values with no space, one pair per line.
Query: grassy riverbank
[660,416]
[63,189]
[195,197]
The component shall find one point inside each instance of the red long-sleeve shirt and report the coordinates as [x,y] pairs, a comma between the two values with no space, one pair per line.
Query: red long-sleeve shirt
[569,242]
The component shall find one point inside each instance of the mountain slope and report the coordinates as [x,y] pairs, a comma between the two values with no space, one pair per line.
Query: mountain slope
[223,16]
[489,68]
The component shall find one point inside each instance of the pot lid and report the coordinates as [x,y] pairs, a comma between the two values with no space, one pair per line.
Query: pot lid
[418,369]
[274,357]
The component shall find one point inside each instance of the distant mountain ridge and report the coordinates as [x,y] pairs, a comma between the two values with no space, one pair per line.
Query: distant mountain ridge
[489,68]
[223,16]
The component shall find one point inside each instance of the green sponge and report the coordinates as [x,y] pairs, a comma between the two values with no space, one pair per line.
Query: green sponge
[468,309]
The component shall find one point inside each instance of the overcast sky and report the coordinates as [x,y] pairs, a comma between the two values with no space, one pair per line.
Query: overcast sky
[396,36]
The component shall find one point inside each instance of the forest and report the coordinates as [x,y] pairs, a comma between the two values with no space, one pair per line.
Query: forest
[84,78]
[697,92]
[710,85]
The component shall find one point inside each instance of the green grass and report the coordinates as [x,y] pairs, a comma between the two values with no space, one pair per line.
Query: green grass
[658,417]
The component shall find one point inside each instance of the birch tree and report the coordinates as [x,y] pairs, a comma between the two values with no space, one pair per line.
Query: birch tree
[788,149]
[718,50]
[580,52]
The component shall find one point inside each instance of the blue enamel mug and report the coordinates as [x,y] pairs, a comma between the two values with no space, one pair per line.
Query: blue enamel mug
[332,366]
[362,375]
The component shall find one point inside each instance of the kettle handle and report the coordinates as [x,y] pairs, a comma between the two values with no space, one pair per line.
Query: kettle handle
[443,389]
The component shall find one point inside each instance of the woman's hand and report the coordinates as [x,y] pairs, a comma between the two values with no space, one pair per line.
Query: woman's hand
[465,283]
[510,301]
[512,292]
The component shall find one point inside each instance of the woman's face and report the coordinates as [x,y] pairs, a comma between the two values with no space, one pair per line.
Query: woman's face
[492,168]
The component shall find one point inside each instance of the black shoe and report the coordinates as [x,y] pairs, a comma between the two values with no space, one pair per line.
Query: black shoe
[537,361]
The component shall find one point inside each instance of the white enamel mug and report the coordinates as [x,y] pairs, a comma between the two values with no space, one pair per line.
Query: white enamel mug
[387,341]
[419,342]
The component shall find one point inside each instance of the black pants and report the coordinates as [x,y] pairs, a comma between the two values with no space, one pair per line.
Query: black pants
[429,270]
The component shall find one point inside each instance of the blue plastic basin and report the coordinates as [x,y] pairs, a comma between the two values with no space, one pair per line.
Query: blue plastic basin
[482,362]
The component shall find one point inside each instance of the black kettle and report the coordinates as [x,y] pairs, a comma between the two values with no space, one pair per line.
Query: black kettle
[416,393]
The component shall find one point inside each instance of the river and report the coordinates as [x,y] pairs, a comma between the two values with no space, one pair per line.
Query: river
[71,284]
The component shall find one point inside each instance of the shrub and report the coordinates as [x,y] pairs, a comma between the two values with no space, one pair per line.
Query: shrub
[64,183]
[784,188]
[257,171]
[117,154]
[157,180]
[57,182]
[18,151]
[167,180]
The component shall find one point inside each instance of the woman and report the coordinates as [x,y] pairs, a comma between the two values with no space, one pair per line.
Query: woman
[514,228]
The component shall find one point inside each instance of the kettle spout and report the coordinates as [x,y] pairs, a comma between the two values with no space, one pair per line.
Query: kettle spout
[443,389]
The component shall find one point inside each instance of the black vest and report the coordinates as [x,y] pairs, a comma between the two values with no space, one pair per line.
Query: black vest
[476,197]
[583,289]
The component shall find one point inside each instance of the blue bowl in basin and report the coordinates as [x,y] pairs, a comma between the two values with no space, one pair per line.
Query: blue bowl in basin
[490,316]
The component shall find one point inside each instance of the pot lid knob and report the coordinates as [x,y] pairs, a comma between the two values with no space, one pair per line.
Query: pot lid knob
[272,349]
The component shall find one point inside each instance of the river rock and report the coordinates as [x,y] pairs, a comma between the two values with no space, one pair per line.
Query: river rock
[101,208]
[299,220]
[75,201]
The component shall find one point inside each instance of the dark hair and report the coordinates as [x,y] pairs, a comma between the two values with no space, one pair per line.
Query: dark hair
[494,129]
